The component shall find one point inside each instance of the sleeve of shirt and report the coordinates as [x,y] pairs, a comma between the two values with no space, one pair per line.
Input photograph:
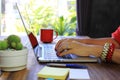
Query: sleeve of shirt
[116,35]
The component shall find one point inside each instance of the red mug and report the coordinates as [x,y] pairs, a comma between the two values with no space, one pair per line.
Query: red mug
[47,35]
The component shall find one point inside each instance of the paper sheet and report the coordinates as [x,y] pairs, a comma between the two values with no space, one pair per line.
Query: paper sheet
[79,74]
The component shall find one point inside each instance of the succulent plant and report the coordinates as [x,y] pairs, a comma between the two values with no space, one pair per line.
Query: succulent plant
[12,42]
[3,45]
[19,46]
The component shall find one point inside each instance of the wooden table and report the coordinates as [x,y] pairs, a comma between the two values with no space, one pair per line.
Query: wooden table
[96,71]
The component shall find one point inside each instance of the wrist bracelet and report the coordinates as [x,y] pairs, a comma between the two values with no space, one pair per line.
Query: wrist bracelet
[105,52]
[110,53]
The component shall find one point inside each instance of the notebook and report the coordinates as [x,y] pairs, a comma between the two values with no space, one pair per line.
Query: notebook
[54,73]
[46,52]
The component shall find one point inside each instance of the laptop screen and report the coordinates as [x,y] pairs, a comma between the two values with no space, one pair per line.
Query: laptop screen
[30,35]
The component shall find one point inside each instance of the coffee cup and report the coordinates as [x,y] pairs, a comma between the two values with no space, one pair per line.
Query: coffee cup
[47,35]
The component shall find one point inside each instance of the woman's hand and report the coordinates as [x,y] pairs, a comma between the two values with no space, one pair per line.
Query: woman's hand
[68,46]
[62,41]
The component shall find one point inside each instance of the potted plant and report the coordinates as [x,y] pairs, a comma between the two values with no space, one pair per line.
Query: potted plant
[13,56]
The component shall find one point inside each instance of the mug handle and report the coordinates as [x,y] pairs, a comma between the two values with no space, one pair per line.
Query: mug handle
[56,35]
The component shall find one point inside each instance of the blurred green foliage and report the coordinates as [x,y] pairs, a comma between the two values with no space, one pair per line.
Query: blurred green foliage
[65,26]
[44,16]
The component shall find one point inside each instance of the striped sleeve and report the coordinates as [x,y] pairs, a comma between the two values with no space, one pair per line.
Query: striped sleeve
[116,35]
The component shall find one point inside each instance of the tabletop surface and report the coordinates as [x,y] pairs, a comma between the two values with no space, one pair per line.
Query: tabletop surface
[96,71]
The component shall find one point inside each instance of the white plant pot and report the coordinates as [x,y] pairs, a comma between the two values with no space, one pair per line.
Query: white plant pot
[13,60]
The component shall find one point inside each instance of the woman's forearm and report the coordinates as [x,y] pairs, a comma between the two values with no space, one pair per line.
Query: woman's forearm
[116,56]
[99,41]
[102,41]
[97,50]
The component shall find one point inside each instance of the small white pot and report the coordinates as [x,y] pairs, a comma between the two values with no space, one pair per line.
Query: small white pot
[13,60]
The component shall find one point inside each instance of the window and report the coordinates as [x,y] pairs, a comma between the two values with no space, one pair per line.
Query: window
[57,14]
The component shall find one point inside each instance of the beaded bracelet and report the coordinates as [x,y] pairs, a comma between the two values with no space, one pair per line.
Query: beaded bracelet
[105,52]
[110,53]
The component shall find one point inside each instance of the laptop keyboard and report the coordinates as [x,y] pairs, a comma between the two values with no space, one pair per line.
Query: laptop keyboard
[49,52]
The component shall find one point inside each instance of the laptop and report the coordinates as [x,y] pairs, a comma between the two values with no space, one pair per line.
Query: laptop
[46,53]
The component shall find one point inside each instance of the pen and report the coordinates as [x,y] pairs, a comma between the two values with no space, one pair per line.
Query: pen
[67,65]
